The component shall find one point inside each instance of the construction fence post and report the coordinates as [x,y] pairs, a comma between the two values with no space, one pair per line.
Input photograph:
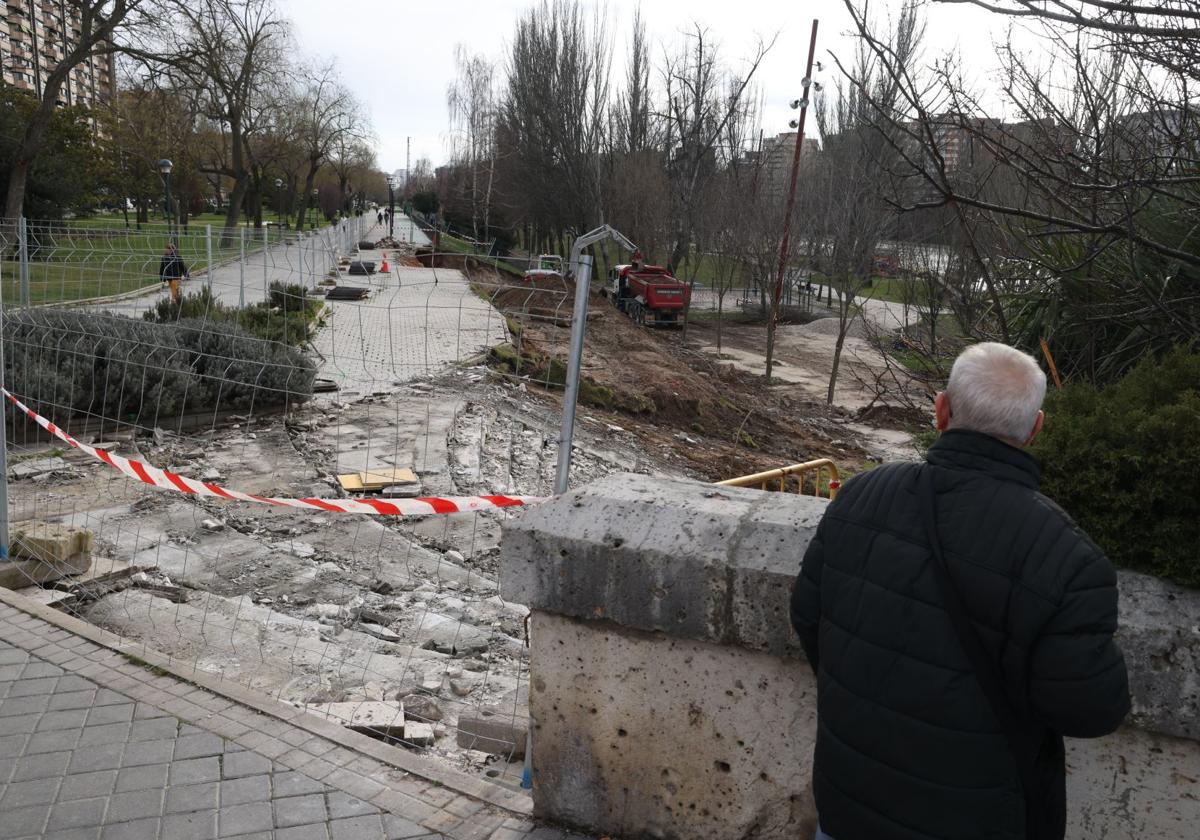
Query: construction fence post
[578,326]
[208,255]
[23,256]
[266,247]
[242,271]
[4,435]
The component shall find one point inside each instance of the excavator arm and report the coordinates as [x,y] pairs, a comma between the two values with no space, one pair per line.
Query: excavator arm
[600,234]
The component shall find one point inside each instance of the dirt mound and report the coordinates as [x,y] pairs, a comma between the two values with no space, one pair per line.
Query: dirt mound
[719,421]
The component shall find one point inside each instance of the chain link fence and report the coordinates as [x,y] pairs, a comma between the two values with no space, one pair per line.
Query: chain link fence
[294,367]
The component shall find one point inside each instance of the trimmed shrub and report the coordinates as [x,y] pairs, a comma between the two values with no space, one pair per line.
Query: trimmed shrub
[1125,463]
[288,316]
[67,363]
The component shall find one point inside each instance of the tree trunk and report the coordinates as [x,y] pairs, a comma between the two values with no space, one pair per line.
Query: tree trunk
[237,161]
[31,144]
[837,358]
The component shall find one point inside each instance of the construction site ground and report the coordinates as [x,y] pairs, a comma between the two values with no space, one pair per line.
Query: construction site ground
[314,608]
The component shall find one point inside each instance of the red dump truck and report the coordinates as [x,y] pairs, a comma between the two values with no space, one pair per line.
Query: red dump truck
[649,294]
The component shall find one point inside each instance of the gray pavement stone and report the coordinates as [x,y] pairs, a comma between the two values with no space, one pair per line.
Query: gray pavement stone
[134,805]
[137,830]
[106,757]
[24,794]
[357,828]
[70,719]
[148,752]
[195,770]
[111,733]
[316,831]
[398,828]
[45,766]
[77,813]
[142,777]
[345,805]
[63,700]
[181,799]
[117,713]
[44,742]
[245,789]
[291,783]
[88,785]
[299,810]
[153,729]
[244,763]
[243,819]
[198,746]
[198,825]
[21,822]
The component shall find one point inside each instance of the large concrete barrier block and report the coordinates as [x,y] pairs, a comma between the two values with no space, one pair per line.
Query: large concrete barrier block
[1159,634]
[694,561]
[639,735]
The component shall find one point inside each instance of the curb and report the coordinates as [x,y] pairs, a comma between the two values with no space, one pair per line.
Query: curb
[517,804]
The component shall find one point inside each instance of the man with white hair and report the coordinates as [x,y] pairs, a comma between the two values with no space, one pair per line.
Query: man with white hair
[960,624]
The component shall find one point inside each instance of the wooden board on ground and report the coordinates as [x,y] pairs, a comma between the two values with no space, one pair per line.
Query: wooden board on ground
[377,479]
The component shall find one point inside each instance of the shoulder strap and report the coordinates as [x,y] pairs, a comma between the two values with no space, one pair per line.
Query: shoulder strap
[1019,743]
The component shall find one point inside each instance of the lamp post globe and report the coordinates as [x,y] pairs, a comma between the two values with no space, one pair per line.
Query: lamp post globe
[164,167]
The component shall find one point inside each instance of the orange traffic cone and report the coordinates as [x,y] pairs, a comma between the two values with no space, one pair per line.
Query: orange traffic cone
[384,268]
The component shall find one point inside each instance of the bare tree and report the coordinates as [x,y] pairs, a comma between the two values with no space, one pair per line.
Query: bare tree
[702,97]
[327,112]
[471,99]
[856,161]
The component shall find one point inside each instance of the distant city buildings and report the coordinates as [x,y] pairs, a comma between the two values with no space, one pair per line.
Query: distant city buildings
[775,156]
[35,36]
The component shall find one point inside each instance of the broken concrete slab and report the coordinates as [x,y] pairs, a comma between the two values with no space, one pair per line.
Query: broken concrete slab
[38,468]
[419,734]
[49,541]
[447,635]
[368,716]
[422,707]
[493,734]
[379,632]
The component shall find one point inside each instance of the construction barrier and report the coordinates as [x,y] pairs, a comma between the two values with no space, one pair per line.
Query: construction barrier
[817,468]
[167,480]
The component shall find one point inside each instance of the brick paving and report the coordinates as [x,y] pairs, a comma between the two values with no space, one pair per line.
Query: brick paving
[95,743]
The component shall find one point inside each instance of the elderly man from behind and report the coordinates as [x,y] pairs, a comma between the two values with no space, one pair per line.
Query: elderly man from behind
[960,624]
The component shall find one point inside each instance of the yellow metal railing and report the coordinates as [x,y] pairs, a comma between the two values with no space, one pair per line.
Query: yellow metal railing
[818,468]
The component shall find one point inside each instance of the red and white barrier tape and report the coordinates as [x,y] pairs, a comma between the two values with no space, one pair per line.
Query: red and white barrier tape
[168,480]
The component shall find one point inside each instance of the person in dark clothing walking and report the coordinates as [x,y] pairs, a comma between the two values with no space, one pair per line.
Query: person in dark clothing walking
[960,624]
[171,270]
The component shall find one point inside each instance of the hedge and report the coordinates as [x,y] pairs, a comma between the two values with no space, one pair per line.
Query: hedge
[1125,463]
[65,363]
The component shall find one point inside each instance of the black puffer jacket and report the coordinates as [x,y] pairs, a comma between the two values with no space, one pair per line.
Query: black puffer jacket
[908,747]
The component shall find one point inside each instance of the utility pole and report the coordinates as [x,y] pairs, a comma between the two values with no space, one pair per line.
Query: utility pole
[784,245]
[407,176]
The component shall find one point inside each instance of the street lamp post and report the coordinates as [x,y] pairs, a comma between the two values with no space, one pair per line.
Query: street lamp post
[785,244]
[391,182]
[165,166]
[316,210]
[279,202]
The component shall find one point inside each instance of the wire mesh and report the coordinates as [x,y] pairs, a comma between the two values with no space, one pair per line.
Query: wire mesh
[297,367]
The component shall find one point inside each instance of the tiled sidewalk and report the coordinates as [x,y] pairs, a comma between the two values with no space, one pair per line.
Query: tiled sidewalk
[94,744]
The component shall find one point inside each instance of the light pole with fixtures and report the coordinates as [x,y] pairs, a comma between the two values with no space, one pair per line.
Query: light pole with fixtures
[279,202]
[316,210]
[164,167]
[785,244]
[391,182]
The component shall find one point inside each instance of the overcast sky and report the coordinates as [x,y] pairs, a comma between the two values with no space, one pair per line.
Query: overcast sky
[398,55]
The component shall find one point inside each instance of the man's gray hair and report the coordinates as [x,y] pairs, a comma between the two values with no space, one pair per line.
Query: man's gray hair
[997,390]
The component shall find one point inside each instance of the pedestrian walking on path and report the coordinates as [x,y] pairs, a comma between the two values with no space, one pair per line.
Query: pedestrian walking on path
[171,269]
[960,625]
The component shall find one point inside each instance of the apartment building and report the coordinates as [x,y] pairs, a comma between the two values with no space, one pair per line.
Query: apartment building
[35,35]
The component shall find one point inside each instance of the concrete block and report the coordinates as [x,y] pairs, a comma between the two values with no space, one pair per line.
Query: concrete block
[15,574]
[1159,633]
[644,735]
[419,734]
[50,542]
[688,559]
[369,717]
[498,734]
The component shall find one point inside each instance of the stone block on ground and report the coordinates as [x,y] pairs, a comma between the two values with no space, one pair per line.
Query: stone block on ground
[448,635]
[369,717]
[418,734]
[494,734]
[50,542]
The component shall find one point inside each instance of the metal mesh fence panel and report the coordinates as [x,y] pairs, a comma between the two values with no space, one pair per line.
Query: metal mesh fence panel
[297,368]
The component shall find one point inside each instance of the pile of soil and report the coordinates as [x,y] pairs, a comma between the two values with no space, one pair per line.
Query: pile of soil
[719,421]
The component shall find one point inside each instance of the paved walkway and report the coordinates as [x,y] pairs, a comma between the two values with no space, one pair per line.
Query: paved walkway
[95,743]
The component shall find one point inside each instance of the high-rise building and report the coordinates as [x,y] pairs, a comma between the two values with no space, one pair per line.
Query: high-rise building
[35,36]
